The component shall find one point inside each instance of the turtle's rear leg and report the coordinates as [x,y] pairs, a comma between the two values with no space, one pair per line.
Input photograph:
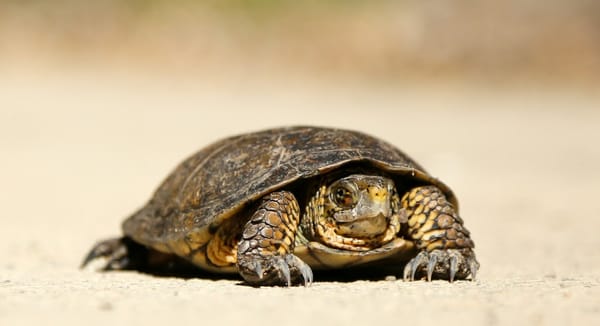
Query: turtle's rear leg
[265,251]
[121,254]
[125,254]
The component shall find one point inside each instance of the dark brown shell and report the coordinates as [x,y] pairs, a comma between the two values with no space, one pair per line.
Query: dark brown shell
[226,176]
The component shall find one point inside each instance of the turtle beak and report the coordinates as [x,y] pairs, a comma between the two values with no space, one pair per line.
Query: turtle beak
[372,202]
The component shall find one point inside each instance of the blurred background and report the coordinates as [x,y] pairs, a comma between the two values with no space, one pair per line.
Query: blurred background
[100,100]
[383,40]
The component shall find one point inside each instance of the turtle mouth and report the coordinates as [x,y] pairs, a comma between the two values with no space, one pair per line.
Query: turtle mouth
[364,227]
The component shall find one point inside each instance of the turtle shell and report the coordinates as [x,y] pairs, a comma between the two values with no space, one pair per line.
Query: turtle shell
[222,179]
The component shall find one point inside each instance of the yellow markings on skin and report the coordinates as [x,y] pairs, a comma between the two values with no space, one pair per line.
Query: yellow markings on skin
[418,235]
[285,245]
[377,194]
[394,227]
[433,215]
[418,210]
[395,202]
[220,254]
[231,258]
[283,250]
[328,236]
[417,219]
[435,245]
[287,241]
[411,195]
[320,229]
[441,227]
[412,222]
[427,236]
[427,226]
[429,206]
[294,206]
[426,201]
[221,250]
[322,191]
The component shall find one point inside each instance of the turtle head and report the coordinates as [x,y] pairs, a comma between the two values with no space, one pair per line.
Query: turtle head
[359,206]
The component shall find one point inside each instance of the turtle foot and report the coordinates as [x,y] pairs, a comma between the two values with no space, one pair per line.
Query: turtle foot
[265,251]
[120,253]
[447,264]
[284,270]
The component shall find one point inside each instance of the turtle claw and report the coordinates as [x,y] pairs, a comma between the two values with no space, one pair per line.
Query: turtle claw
[120,254]
[410,270]
[112,249]
[304,269]
[285,270]
[473,267]
[295,264]
[430,266]
[448,264]
[453,267]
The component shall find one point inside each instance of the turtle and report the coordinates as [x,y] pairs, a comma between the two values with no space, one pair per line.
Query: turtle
[274,205]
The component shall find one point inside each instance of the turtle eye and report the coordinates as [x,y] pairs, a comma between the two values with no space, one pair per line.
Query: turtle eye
[343,196]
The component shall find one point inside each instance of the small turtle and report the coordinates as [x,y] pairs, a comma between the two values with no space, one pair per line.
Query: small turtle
[275,204]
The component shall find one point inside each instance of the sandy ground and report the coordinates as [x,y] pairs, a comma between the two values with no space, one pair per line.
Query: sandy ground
[80,152]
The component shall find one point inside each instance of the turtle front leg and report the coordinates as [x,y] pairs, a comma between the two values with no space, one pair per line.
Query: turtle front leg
[265,251]
[445,248]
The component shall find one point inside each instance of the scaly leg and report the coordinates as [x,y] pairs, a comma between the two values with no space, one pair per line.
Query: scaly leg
[265,251]
[445,249]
